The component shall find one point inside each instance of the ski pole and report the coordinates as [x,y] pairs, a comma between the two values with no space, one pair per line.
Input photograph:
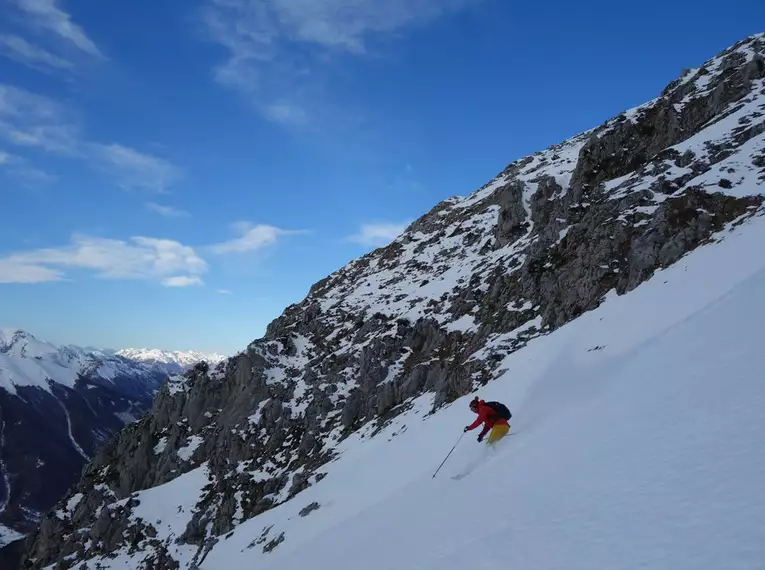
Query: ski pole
[447,455]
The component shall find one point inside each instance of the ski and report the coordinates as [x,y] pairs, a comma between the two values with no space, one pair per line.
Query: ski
[466,473]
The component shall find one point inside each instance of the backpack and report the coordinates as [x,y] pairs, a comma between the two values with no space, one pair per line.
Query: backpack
[501,409]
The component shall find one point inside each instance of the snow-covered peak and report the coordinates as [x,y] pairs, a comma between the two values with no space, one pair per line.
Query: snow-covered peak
[16,342]
[180,358]
[28,361]
[7,333]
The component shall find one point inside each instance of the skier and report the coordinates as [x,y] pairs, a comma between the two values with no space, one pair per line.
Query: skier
[494,416]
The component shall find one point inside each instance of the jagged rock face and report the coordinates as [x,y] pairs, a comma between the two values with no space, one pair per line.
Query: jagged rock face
[435,311]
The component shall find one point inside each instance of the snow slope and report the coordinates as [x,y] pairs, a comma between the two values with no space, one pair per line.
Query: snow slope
[636,443]
[646,453]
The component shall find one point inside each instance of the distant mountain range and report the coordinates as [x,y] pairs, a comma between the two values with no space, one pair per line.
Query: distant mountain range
[172,360]
[58,405]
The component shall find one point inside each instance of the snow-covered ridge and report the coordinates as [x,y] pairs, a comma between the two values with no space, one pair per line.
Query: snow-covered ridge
[433,258]
[15,342]
[28,361]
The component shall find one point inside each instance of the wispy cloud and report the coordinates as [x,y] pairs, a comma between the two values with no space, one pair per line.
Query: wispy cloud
[251,238]
[47,16]
[181,281]
[167,211]
[29,120]
[286,113]
[34,176]
[134,169]
[20,168]
[223,292]
[168,261]
[378,233]
[31,176]
[276,47]
[20,50]
[17,271]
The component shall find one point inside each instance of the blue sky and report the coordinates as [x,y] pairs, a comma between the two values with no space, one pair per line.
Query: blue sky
[174,174]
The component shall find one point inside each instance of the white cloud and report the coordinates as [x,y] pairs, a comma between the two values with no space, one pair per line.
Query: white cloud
[46,15]
[252,237]
[19,49]
[350,23]
[165,261]
[138,258]
[285,113]
[378,233]
[167,211]
[20,168]
[134,169]
[181,281]
[33,176]
[223,292]
[31,120]
[17,271]
[252,29]
[28,120]
[274,45]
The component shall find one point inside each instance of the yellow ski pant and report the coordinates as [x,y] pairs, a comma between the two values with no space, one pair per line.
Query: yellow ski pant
[498,432]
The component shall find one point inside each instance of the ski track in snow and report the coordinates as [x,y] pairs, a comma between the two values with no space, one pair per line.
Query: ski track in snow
[69,431]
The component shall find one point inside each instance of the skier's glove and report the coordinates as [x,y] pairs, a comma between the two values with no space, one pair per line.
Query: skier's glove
[466,430]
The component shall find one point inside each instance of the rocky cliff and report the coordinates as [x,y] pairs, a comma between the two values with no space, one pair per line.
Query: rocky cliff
[435,311]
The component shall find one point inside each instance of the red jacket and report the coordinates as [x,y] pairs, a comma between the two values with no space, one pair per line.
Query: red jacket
[488,417]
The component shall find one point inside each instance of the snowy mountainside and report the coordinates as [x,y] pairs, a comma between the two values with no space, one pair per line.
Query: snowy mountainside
[232,460]
[611,458]
[172,361]
[58,405]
